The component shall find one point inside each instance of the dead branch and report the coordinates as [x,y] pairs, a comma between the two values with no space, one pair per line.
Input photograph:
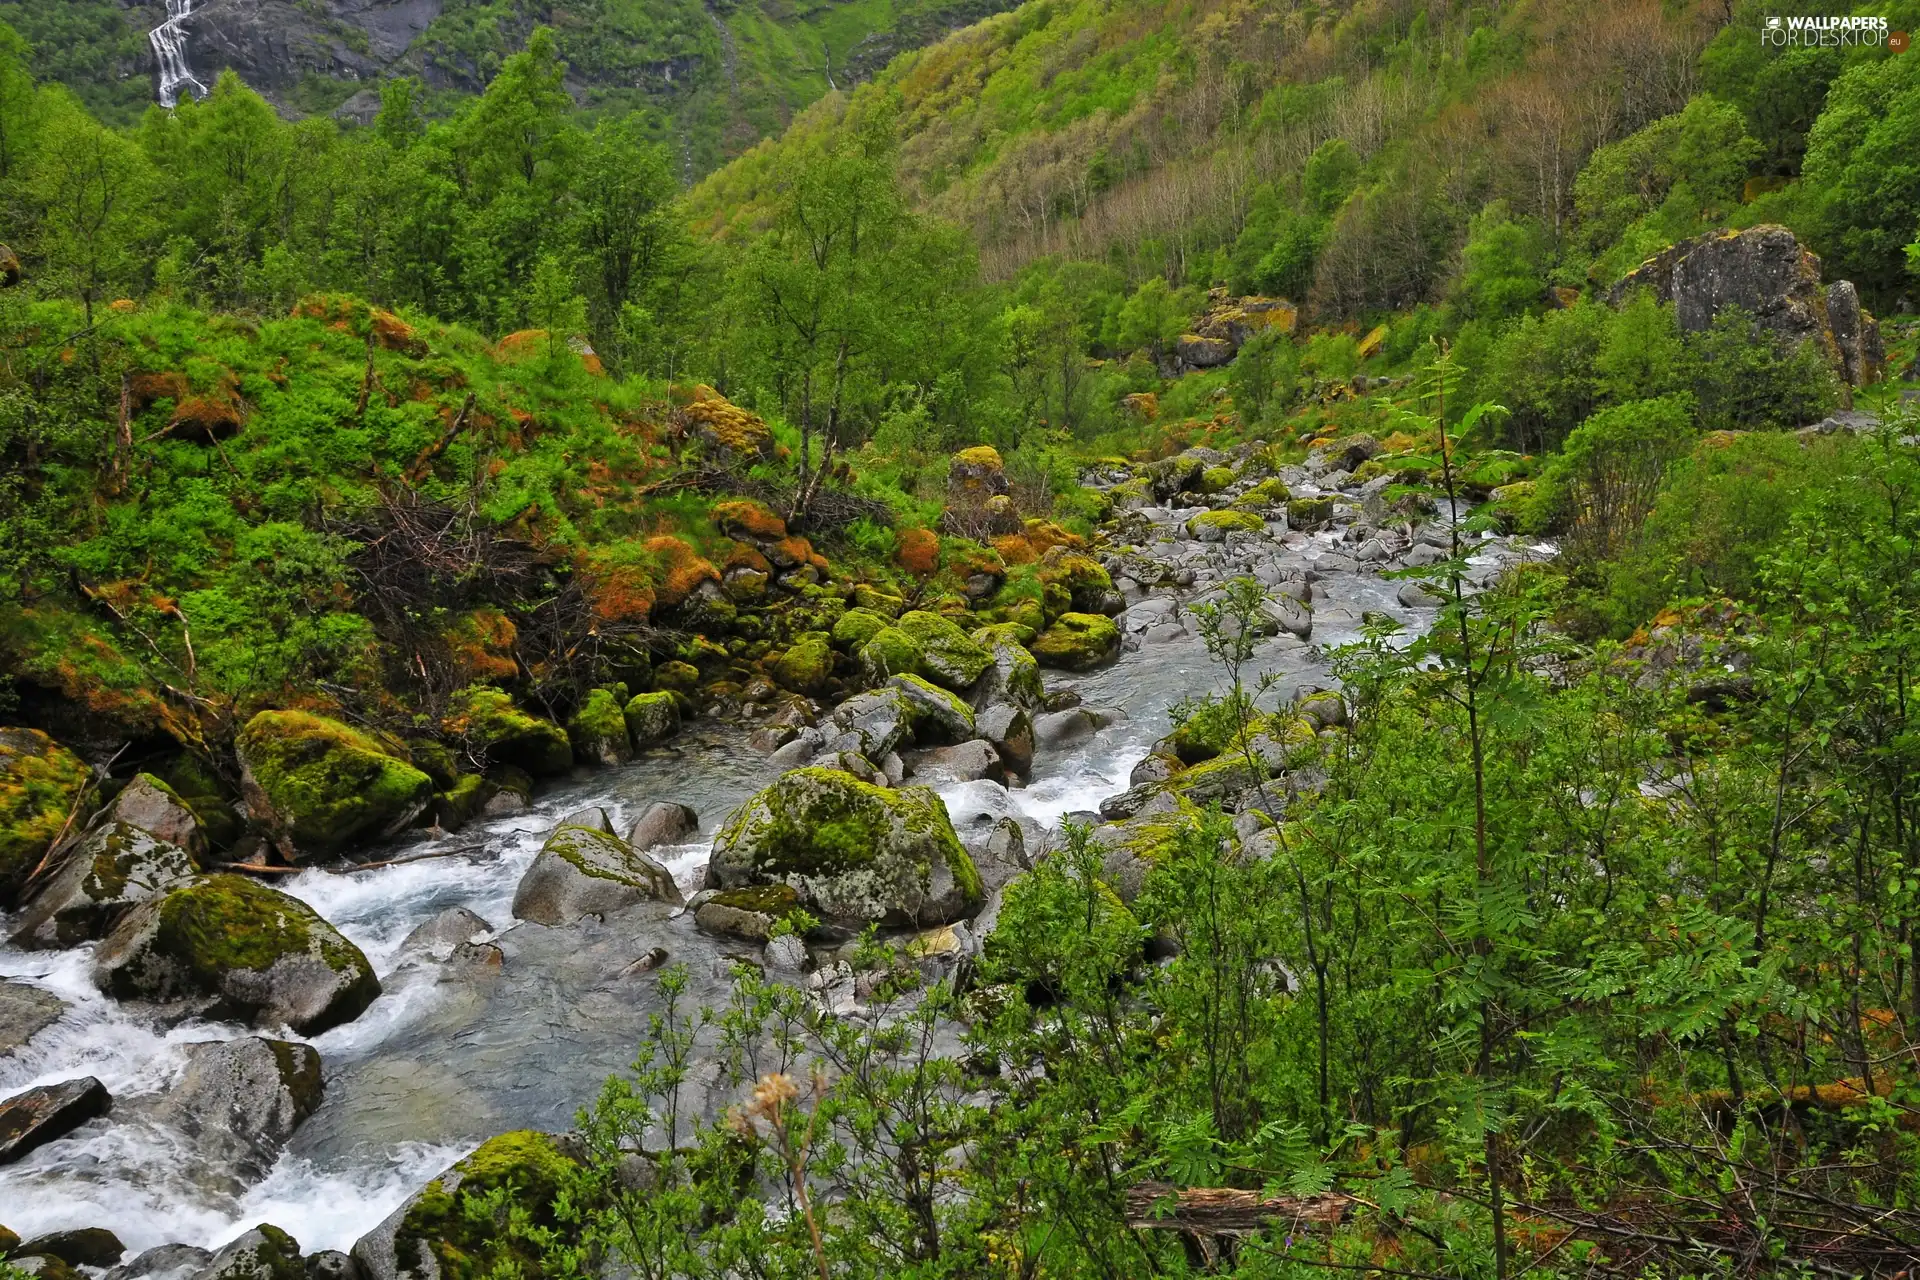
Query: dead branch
[1226,1211]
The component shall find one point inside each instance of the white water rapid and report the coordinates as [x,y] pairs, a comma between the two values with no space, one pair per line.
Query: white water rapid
[169,41]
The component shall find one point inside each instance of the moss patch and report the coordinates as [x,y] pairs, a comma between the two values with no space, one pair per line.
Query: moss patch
[652,718]
[466,1236]
[1078,642]
[487,718]
[39,782]
[598,730]
[1309,513]
[324,783]
[951,658]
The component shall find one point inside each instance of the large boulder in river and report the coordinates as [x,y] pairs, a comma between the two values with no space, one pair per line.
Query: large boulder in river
[436,1236]
[1015,675]
[1078,642]
[855,852]
[251,1092]
[40,784]
[938,716]
[319,785]
[115,867]
[584,870]
[598,730]
[949,656]
[504,734]
[1766,272]
[229,947]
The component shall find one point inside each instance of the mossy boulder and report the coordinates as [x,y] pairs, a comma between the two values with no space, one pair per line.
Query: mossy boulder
[210,798]
[462,802]
[40,785]
[676,677]
[456,1227]
[318,785]
[1271,492]
[229,947]
[598,730]
[1015,675]
[752,913]
[857,626]
[583,871]
[1213,480]
[1088,586]
[505,734]
[1214,526]
[884,603]
[853,851]
[251,1092]
[1309,513]
[1078,642]
[1139,844]
[264,1253]
[806,666]
[115,867]
[890,652]
[938,716]
[949,657]
[652,718]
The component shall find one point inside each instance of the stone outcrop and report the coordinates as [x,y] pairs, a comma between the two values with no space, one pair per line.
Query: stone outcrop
[1768,273]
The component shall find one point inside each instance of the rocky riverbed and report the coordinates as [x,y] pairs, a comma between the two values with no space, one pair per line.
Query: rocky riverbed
[489,979]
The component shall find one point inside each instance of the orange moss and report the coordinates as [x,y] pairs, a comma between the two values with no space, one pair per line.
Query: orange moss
[821,563]
[1014,548]
[745,518]
[720,422]
[210,417]
[122,305]
[790,552]
[682,569]
[745,557]
[918,551]
[1144,405]
[965,561]
[1044,536]
[481,645]
[145,388]
[392,333]
[519,346]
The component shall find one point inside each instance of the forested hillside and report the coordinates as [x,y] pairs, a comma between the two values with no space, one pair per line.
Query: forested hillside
[1301,617]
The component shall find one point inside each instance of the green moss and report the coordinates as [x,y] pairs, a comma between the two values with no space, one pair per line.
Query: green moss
[435,759]
[501,731]
[652,718]
[39,784]
[1306,513]
[1226,521]
[873,599]
[221,923]
[1077,642]
[857,626]
[1271,492]
[598,730]
[519,1174]
[891,652]
[326,784]
[1214,479]
[460,803]
[677,677]
[950,659]
[806,667]
[766,899]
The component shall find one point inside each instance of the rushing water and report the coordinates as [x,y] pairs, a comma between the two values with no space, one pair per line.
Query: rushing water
[449,1055]
[169,41]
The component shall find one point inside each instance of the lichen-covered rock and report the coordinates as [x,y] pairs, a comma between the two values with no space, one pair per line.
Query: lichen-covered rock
[1214,526]
[751,913]
[229,947]
[116,866]
[448,934]
[937,716]
[1015,676]
[890,651]
[504,734]
[318,785]
[1078,642]
[806,666]
[962,762]
[598,730]
[159,810]
[581,871]
[1010,729]
[42,1114]
[877,722]
[1309,513]
[25,1011]
[950,658]
[40,784]
[976,474]
[854,852]
[252,1092]
[1088,586]
[264,1253]
[857,626]
[652,718]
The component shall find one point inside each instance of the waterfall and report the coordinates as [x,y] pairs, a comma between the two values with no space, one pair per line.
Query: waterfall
[170,47]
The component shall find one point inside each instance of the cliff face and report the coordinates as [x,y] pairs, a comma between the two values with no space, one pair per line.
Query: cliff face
[1767,272]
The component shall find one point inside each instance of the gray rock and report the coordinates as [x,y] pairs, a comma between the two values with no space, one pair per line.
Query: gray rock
[115,867]
[966,762]
[1288,615]
[163,1262]
[1164,633]
[1014,677]
[1422,554]
[47,1112]
[25,1011]
[771,738]
[152,806]
[264,1253]
[81,1247]
[331,1264]
[594,818]
[797,752]
[856,764]
[444,934]
[1414,596]
[1155,767]
[1010,729]
[664,822]
[581,872]
[1058,728]
[893,768]
[786,954]
[938,717]
[251,1090]
[881,720]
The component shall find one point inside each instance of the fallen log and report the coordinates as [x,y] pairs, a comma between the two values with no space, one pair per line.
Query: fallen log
[1223,1211]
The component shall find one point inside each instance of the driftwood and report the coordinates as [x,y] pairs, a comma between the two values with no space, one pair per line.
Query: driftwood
[1224,1211]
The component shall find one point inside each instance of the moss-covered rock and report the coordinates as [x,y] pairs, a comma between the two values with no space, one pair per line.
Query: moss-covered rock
[857,626]
[1309,513]
[598,730]
[503,733]
[1213,480]
[652,718]
[890,652]
[583,871]
[462,802]
[1015,676]
[948,656]
[456,1227]
[318,785]
[1138,845]
[806,666]
[1078,642]
[230,947]
[116,866]
[1088,586]
[752,913]
[264,1253]
[1214,526]
[1271,492]
[937,716]
[676,677]
[884,603]
[210,797]
[40,786]
[854,852]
